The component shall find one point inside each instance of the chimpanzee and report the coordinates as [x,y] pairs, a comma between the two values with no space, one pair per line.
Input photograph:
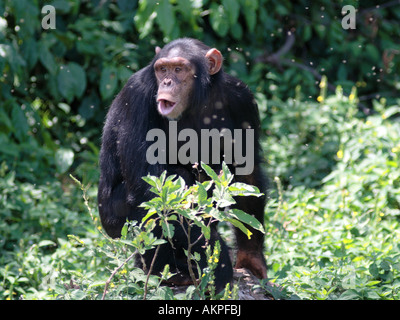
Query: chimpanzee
[184,83]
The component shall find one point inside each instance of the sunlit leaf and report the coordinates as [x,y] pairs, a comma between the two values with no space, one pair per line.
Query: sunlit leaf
[64,159]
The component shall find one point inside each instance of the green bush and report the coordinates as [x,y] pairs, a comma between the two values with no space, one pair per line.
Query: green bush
[310,133]
[173,203]
[341,241]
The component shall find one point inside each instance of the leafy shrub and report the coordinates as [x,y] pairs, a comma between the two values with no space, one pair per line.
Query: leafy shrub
[341,240]
[61,269]
[174,202]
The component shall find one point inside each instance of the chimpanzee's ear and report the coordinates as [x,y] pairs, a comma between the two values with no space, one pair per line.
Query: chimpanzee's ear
[157,49]
[214,58]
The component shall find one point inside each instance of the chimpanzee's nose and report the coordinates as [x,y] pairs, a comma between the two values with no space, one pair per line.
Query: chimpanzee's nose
[167,82]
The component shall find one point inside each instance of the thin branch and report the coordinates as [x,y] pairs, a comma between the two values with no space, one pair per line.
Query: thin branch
[382,6]
[115,272]
[189,258]
[150,270]
[287,46]
[276,59]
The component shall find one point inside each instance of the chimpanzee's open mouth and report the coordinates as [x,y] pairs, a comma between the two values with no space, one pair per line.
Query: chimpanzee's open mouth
[165,106]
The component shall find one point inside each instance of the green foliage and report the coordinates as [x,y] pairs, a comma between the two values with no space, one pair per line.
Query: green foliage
[174,202]
[34,222]
[341,241]
[332,229]
[311,133]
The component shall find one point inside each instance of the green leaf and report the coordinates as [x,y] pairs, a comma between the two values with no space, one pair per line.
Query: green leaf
[158,242]
[148,215]
[62,6]
[5,120]
[202,194]
[219,19]
[71,81]
[64,107]
[348,282]
[64,159]
[242,189]
[241,227]
[350,295]
[128,243]
[372,295]
[391,111]
[97,284]
[232,9]
[227,176]
[237,31]
[372,283]
[20,123]
[45,243]
[145,17]
[385,266]
[124,230]
[168,229]
[151,180]
[161,181]
[184,212]
[108,82]
[206,231]
[248,219]
[47,59]
[165,17]
[250,14]
[29,51]
[215,213]
[224,199]
[372,52]
[210,172]
[164,194]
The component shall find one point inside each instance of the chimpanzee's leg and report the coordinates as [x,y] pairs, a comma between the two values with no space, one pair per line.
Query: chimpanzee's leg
[250,252]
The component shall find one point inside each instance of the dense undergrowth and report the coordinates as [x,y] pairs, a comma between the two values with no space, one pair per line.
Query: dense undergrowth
[332,227]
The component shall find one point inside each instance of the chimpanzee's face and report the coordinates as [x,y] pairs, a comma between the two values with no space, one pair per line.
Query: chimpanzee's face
[175,79]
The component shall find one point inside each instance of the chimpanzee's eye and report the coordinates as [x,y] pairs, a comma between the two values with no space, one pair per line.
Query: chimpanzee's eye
[178,69]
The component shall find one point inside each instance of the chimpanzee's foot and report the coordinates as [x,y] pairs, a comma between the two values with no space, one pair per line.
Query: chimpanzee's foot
[253,261]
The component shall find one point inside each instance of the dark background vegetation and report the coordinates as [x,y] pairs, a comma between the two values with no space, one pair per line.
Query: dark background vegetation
[328,100]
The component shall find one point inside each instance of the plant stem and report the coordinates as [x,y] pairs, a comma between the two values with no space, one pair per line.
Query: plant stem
[115,272]
[189,257]
[149,273]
